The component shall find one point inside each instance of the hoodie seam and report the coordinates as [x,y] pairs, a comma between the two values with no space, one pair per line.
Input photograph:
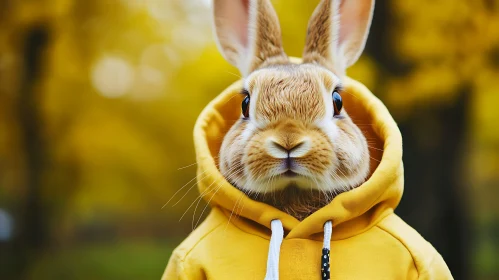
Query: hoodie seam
[181,267]
[405,246]
[185,255]
[430,263]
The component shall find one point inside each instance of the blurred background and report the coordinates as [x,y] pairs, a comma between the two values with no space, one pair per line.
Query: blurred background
[98,100]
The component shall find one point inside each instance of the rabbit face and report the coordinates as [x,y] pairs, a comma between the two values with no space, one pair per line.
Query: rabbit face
[293,136]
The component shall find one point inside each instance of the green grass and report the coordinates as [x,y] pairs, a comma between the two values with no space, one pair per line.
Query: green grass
[130,260]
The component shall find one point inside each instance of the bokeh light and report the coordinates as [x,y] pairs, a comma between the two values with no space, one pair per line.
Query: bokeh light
[113,76]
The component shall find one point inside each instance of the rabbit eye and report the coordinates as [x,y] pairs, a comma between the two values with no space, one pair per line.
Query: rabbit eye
[337,102]
[245,106]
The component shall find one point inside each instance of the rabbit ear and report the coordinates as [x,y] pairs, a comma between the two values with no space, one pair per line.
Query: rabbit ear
[248,33]
[337,33]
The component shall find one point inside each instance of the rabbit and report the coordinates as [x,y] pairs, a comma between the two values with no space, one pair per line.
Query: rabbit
[315,203]
[294,146]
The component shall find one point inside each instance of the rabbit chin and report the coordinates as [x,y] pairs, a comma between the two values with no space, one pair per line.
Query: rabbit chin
[315,182]
[300,195]
[278,183]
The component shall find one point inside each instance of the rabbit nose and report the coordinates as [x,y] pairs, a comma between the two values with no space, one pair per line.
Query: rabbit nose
[280,149]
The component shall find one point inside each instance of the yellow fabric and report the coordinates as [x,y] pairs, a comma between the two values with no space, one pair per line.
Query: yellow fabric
[368,242]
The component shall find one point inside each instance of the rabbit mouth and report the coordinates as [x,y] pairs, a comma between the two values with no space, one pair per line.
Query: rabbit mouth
[290,174]
[290,168]
[290,178]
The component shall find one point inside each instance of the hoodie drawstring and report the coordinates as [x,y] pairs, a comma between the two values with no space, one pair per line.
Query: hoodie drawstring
[275,250]
[326,247]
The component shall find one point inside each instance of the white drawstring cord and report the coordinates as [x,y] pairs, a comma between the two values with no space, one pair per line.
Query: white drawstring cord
[274,250]
[328,229]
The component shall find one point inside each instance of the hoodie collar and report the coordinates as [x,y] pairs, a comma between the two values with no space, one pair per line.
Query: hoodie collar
[351,212]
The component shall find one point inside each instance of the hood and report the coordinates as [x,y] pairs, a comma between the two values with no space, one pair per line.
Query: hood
[351,212]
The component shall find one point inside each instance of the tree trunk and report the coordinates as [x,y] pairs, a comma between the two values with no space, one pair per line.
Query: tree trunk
[31,232]
[433,201]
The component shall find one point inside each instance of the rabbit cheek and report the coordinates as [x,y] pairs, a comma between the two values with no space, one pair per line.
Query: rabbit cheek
[318,160]
[259,165]
[350,149]
[231,154]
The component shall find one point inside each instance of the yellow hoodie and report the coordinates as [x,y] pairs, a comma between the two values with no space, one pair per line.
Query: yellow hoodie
[368,240]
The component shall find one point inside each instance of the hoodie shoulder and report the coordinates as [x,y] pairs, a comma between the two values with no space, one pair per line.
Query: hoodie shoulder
[179,267]
[428,262]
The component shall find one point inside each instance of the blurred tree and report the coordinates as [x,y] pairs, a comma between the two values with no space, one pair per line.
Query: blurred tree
[32,226]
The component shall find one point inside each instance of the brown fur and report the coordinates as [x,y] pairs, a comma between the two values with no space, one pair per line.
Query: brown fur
[319,41]
[296,202]
[268,47]
[278,98]
[337,33]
